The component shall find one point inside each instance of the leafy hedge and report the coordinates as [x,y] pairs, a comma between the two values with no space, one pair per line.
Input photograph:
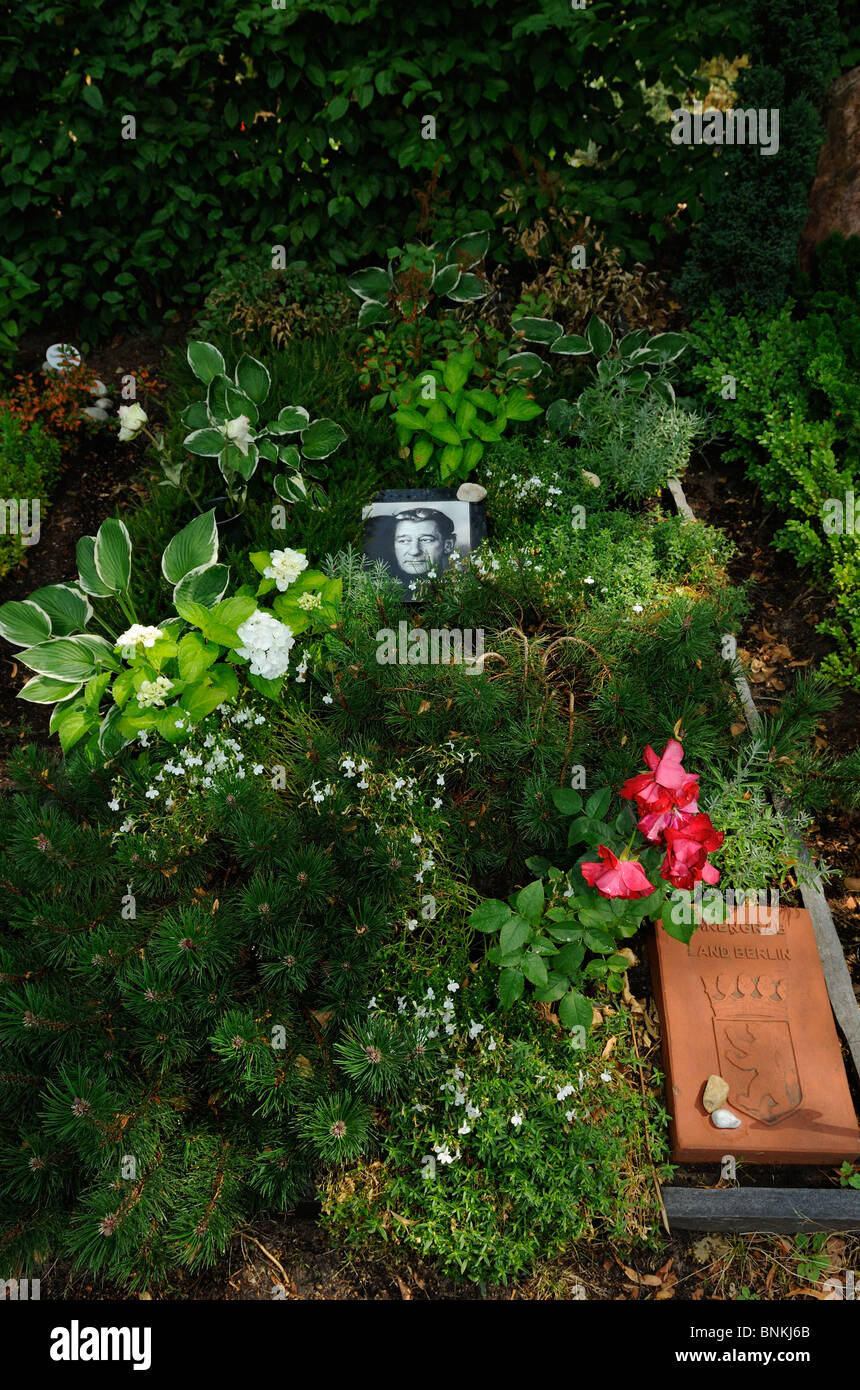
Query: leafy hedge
[262,125]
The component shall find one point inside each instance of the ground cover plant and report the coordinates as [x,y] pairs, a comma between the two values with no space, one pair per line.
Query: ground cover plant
[29,467]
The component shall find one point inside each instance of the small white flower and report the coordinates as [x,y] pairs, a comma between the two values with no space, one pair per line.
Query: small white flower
[637,608]
[437,802]
[412,923]
[126,825]
[154,693]
[138,635]
[372,1004]
[475,1028]
[465,1128]
[564,1092]
[472,1111]
[491,1045]
[606,1076]
[132,418]
[285,568]
[588,579]
[327,700]
[238,431]
[113,805]
[570,1115]
[516,1119]
[453,986]
[257,769]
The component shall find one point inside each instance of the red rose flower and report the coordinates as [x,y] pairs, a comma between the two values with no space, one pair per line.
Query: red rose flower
[668,784]
[687,850]
[656,823]
[617,878]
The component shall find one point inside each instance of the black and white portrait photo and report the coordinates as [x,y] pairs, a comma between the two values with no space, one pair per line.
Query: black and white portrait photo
[421,533]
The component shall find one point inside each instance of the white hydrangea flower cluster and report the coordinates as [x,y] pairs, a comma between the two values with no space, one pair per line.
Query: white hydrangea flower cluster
[138,635]
[309,602]
[286,567]
[267,644]
[154,693]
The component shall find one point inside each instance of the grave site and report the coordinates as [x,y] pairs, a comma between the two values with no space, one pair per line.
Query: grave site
[429,630]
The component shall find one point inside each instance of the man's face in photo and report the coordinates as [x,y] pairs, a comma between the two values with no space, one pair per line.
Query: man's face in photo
[419,546]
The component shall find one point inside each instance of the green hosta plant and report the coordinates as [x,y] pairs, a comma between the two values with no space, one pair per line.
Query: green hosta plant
[407,289]
[109,686]
[447,423]
[238,425]
[642,362]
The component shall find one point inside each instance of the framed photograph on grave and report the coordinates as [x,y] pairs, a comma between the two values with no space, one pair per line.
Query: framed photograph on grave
[420,532]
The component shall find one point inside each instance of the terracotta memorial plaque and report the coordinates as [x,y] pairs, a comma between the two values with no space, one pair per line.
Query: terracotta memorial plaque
[747,1000]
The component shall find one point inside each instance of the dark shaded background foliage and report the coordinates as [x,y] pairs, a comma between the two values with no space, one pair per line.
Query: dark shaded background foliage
[746,247]
[302,126]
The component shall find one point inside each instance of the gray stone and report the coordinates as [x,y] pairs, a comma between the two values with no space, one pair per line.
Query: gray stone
[471,492]
[781,1209]
[95,412]
[98,388]
[104,402]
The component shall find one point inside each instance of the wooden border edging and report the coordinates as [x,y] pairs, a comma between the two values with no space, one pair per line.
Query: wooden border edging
[839,987]
[754,1209]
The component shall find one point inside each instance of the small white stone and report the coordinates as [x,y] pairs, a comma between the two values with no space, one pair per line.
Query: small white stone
[95,412]
[104,402]
[471,492]
[98,388]
[725,1119]
[590,477]
[62,356]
